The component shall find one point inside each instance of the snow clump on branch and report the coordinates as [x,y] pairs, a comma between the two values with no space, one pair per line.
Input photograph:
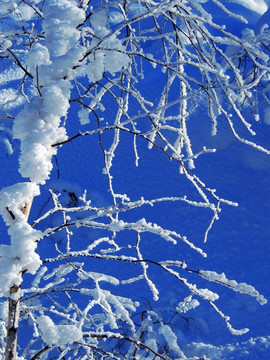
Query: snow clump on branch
[106,55]
[58,334]
[38,125]
[20,255]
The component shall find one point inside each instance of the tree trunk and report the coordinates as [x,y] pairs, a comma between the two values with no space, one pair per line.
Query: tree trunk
[14,308]
[12,330]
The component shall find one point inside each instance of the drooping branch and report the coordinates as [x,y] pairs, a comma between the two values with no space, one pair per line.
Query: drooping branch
[138,343]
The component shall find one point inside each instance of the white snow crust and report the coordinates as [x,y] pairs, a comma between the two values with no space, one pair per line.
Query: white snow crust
[259,6]
[57,334]
[20,255]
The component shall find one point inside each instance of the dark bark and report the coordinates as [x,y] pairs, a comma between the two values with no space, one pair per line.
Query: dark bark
[13,319]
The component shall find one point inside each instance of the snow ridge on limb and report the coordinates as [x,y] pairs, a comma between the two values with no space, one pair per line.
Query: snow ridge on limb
[38,125]
[232,284]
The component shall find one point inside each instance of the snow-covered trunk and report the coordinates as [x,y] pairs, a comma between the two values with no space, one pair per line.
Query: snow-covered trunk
[37,126]
[14,308]
[12,326]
